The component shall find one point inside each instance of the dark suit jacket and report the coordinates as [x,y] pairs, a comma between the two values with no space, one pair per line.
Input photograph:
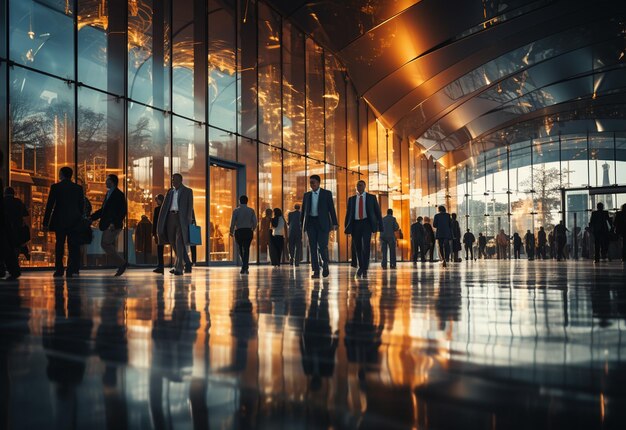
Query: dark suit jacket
[15,211]
[443,223]
[417,232]
[600,223]
[325,209]
[293,219]
[372,210]
[155,220]
[113,211]
[65,206]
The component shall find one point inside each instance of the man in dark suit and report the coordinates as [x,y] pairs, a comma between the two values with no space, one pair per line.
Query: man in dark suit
[64,212]
[295,236]
[363,218]
[111,216]
[417,240]
[319,217]
[600,224]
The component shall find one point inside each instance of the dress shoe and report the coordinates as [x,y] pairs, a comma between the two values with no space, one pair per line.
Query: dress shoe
[12,277]
[121,269]
[384,267]
[57,274]
[242,271]
[325,272]
[316,275]
[158,270]
[359,273]
[393,267]
[177,273]
[364,274]
[172,271]
[188,268]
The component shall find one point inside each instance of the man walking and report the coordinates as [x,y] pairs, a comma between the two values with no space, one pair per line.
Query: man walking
[443,225]
[363,218]
[482,246]
[319,217]
[468,241]
[111,216]
[242,226]
[174,220]
[388,239]
[64,212]
[600,224]
[417,241]
[295,236]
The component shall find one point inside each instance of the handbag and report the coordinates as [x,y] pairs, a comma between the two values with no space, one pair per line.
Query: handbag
[85,233]
[399,234]
[195,234]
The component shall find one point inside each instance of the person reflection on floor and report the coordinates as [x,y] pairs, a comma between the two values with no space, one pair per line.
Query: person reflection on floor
[362,340]
[318,342]
[13,328]
[112,348]
[67,348]
[448,303]
[172,350]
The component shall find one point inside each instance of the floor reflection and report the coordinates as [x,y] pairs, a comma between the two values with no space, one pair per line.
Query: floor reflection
[488,345]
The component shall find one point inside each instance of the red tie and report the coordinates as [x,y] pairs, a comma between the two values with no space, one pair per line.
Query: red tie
[361,206]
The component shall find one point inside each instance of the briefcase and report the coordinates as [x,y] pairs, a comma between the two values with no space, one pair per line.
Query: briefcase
[195,234]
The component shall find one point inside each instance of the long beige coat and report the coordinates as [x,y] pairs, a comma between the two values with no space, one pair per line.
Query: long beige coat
[185,207]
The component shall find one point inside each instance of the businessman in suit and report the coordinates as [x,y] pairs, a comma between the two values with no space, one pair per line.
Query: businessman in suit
[295,236]
[174,220]
[363,217]
[111,216]
[64,212]
[318,218]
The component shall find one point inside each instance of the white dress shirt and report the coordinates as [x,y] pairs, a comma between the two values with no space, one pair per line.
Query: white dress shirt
[174,206]
[356,207]
[315,197]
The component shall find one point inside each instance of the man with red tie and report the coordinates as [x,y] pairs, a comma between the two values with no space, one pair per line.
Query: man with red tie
[363,217]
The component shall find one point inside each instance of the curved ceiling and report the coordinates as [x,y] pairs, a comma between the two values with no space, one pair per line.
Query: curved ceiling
[444,74]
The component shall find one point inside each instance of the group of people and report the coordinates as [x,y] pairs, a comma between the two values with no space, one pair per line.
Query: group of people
[316,218]
[553,245]
[68,215]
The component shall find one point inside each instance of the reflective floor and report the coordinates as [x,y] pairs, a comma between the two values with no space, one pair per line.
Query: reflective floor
[483,345]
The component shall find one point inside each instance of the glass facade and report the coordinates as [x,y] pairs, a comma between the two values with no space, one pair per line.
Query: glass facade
[242,86]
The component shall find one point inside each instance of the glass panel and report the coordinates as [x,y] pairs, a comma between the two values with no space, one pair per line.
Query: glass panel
[295,181]
[330,183]
[335,112]
[41,123]
[3,25]
[222,144]
[247,66]
[293,89]
[183,52]
[223,200]
[222,66]
[270,121]
[247,155]
[41,35]
[189,159]
[602,161]
[149,52]
[353,129]
[372,144]
[314,100]
[149,167]
[100,152]
[101,46]
[620,149]
[574,167]
[270,193]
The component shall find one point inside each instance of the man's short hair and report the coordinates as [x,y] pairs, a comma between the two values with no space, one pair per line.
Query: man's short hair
[297,207]
[113,179]
[243,200]
[600,206]
[179,175]
[361,181]
[9,191]
[67,172]
[316,177]
[419,218]
[389,211]
[160,197]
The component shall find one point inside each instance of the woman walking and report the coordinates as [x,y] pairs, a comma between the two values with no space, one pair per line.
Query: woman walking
[278,237]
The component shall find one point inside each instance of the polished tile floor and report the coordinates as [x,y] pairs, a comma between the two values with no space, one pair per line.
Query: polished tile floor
[486,345]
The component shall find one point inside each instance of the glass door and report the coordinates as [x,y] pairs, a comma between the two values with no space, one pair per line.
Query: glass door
[223,192]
